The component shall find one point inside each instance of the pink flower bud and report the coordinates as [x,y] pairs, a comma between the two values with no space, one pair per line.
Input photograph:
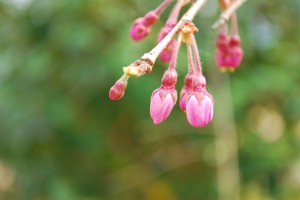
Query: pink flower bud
[150,18]
[236,51]
[138,30]
[166,54]
[229,53]
[199,108]
[223,41]
[117,91]
[162,103]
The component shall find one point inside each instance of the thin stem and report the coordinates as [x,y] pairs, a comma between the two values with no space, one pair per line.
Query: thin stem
[175,12]
[224,28]
[190,57]
[162,6]
[124,78]
[196,55]
[172,65]
[234,25]
[224,17]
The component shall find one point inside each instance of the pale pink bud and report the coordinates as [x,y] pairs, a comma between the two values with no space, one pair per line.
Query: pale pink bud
[162,103]
[117,91]
[199,108]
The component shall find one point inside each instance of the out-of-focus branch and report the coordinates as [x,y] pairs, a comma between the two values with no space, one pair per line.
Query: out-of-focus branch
[224,17]
[226,141]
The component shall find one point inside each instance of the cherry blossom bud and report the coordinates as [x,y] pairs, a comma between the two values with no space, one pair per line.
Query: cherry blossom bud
[236,51]
[162,103]
[138,30]
[166,54]
[150,18]
[199,108]
[164,98]
[117,91]
[229,52]
[141,27]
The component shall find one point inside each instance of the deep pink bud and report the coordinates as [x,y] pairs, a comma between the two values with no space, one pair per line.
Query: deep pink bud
[162,103]
[166,54]
[150,18]
[236,51]
[117,91]
[229,53]
[199,108]
[223,41]
[138,30]
[141,26]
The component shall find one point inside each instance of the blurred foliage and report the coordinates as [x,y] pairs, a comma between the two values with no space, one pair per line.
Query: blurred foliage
[62,138]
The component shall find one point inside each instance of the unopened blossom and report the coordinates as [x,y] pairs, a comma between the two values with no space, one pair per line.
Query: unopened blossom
[142,26]
[199,108]
[164,98]
[229,52]
[199,103]
[162,103]
[117,91]
[166,54]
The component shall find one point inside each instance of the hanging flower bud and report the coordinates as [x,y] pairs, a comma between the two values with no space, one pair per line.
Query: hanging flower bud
[166,54]
[138,30]
[142,26]
[164,98]
[199,108]
[117,91]
[162,103]
[236,51]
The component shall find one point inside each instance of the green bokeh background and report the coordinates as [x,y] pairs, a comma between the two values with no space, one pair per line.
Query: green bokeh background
[61,137]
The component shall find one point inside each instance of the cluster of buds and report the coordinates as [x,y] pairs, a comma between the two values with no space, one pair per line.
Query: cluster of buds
[229,53]
[194,100]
